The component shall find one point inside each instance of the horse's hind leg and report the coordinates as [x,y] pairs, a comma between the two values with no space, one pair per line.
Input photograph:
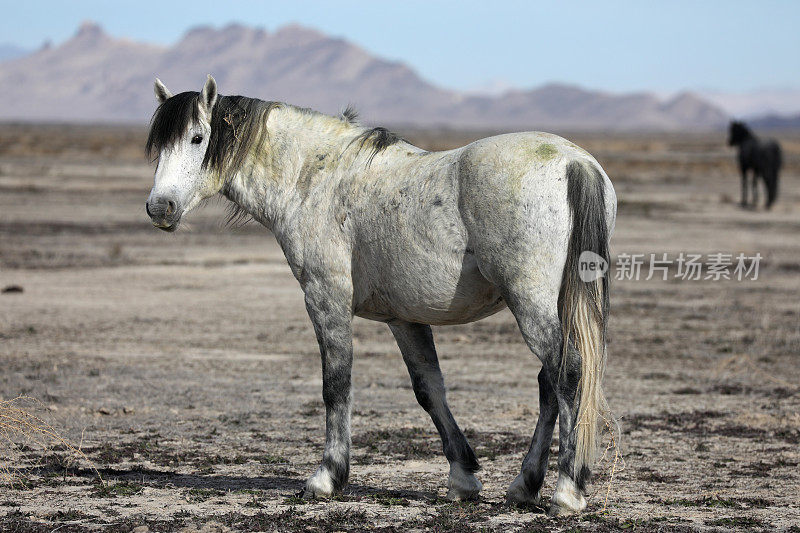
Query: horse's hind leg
[416,344]
[743,203]
[756,178]
[526,487]
[536,312]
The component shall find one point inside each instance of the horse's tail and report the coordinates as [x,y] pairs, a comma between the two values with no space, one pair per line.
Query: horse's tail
[583,307]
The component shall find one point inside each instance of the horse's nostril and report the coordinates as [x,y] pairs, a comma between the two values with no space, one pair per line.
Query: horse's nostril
[170,207]
[147,208]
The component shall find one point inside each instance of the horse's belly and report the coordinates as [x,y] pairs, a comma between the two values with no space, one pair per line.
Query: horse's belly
[446,296]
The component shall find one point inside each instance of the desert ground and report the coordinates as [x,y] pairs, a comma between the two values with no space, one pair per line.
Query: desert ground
[185,370]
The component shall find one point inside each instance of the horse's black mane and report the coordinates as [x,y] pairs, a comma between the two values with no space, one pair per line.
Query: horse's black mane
[235,127]
[170,120]
[378,138]
[350,114]
[237,124]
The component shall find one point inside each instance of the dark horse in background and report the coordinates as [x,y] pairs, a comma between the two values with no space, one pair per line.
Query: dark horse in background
[763,157]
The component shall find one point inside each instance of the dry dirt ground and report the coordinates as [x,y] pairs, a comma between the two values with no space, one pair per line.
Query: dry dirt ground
[184,366]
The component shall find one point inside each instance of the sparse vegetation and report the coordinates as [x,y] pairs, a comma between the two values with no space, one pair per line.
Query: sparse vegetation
[746,522]
[201,494]
[20,429]
[121,488]
[390,500]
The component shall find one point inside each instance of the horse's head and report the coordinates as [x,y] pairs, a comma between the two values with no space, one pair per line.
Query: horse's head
[737,133]
[179,136]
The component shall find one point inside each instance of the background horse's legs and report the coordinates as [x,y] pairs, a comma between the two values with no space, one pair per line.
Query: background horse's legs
[744,187]
[756,178]
[526,487]
[416,344]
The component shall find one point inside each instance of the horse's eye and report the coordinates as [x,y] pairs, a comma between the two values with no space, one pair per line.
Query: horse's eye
[197,139]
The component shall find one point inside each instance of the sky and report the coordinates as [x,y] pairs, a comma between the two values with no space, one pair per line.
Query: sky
[730,46]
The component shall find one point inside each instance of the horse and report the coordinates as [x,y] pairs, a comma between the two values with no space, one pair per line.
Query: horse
[762,157]
[374,227]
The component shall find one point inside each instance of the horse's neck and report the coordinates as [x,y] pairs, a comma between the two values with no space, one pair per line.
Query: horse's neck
[267,184]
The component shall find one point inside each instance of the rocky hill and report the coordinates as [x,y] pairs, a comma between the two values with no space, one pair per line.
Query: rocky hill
[94,77]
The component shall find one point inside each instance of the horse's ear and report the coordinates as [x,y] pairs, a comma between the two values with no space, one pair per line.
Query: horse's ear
[208,97]
[162,93]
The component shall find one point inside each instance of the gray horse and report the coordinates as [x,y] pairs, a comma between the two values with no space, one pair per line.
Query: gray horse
[374,227]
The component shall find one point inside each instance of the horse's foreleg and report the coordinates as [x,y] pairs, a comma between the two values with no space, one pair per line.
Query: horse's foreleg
[526,487]
[332,320]
[416,344]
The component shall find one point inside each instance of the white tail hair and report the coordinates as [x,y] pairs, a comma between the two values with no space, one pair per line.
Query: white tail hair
[584,309]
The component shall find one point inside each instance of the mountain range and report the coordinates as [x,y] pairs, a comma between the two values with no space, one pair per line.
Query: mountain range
[94,77]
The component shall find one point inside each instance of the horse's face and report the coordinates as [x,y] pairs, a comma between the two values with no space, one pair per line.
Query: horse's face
[181,179]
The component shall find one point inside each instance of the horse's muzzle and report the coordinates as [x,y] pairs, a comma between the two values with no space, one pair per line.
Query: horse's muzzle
[164,213]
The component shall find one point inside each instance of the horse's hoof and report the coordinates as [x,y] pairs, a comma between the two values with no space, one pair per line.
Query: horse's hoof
[557,510]
[519,495]
[311,495]
[319,486]
[462,496]
[462,485]
[567,498]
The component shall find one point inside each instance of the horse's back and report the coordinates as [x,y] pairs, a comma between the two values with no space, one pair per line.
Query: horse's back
[763,156]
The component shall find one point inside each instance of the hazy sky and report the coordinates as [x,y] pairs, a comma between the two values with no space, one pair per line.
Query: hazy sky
[662,46]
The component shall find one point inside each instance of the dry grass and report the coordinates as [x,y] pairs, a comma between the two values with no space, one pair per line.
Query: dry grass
[21,428]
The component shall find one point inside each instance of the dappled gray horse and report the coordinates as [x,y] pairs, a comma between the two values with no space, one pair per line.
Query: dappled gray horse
[374,227]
